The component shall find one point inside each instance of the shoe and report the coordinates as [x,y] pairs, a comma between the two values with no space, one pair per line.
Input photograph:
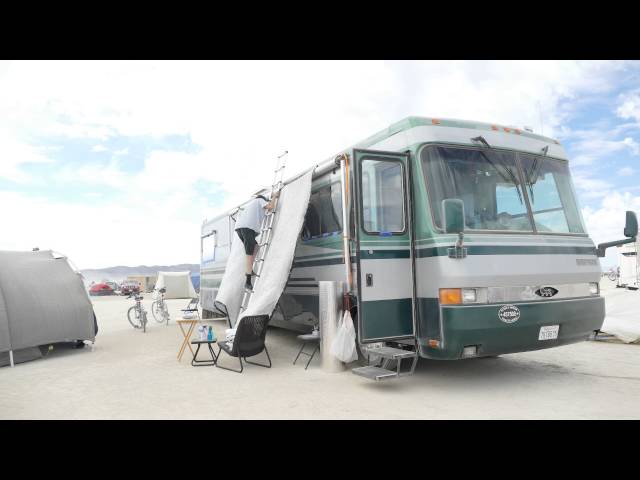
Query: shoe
[247,284]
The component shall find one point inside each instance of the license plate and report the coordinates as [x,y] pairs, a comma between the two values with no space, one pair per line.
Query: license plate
[549,332]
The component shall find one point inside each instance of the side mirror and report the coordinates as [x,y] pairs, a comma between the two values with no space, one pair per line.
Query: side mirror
[453,215]
[630,231]
[631,225]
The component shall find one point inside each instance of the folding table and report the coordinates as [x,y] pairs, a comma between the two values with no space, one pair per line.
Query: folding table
[190,324]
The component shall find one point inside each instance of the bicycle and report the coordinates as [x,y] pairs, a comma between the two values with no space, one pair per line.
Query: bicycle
[136,314]
[159,308]
[614,274]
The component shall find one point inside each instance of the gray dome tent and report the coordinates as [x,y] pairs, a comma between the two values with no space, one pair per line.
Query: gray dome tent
[42,301]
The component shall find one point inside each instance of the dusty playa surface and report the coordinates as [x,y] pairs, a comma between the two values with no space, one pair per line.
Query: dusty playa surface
[135,375]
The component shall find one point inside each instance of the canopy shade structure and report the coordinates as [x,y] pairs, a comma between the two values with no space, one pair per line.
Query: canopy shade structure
[178,284]
[42,301]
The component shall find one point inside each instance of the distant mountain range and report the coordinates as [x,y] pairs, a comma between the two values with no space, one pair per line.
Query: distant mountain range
[119,273]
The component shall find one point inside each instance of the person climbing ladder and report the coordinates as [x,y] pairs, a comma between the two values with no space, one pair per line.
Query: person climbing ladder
[248,227]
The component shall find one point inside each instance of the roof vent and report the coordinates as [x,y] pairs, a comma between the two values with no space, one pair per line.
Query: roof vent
[528,129]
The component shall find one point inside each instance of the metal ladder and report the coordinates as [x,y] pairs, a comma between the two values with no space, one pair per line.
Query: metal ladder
[388,354]
[265,229]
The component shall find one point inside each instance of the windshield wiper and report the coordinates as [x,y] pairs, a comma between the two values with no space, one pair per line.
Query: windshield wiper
[536,167]
[511,178]
[481,139]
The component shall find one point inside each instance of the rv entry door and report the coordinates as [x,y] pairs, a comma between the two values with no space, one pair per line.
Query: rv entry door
[383,244]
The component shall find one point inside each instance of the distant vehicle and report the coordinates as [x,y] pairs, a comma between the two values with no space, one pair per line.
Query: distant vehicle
[100,289]
[629,266]
[113,285]
[128,287]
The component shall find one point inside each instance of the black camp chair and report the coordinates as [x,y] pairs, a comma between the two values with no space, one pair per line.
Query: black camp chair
[249,341]
[192,307]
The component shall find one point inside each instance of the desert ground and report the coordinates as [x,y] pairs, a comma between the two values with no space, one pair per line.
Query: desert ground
[128,374]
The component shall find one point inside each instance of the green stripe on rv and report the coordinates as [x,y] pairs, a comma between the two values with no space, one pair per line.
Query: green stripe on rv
[368,254]
[480,250]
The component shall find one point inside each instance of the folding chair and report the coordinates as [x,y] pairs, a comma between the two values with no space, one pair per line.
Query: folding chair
[191,307]
[249,341]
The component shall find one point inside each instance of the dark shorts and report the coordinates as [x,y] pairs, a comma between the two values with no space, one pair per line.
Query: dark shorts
[248,237]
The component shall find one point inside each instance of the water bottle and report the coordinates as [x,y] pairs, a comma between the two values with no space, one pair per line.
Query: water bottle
[210,335]
[202,330]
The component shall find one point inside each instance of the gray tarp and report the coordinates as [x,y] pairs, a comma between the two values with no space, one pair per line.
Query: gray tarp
[42,301]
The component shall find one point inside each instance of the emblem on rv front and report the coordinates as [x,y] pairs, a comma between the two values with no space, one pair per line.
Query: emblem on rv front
[546,292]
[509,313]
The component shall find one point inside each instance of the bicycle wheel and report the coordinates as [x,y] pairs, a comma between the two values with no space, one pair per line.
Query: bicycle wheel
[156,311]
[134,317]
[613,277]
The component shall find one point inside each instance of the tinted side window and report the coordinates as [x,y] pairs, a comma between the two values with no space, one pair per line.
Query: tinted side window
[324,214]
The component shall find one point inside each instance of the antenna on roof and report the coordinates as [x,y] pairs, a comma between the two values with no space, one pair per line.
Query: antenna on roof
[540,112]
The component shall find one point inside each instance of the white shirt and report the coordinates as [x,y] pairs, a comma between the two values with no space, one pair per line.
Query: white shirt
[251,215]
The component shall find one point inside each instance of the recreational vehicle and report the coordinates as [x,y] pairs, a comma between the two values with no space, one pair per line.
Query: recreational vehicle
[629,266]
[454,238]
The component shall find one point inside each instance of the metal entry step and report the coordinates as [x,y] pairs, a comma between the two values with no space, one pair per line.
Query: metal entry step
[391,353]
[375,373]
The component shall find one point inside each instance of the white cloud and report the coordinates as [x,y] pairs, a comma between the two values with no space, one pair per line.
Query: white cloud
[243,114]
[103,234]
[109,174]
[15,153]
[595,144]
[606,223]
[626,172]
[629,107]
[590,188]
[99,148]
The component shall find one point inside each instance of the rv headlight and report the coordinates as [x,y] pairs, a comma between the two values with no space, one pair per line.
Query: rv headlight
[469,295]
[594,289]
[457,296]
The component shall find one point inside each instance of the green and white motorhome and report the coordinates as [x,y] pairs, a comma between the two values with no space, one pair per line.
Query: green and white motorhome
[461,238]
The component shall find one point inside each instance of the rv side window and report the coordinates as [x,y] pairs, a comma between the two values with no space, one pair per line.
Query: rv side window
[382,196]
[324,214]
[208,247]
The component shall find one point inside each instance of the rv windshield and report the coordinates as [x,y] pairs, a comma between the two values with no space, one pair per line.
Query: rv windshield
[488,182]
[551,195]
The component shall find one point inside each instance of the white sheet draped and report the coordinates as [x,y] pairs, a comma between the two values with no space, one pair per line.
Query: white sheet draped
[287,225]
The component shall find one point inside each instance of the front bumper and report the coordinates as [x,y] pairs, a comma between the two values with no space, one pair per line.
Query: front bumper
[466,325]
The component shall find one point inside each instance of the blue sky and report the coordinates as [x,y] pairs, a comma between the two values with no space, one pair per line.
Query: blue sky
[118,163]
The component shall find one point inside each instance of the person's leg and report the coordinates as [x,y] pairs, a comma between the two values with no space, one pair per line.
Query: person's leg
[250,249]
[250,259]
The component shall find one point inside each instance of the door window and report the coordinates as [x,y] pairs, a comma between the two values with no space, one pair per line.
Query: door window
[382,196]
